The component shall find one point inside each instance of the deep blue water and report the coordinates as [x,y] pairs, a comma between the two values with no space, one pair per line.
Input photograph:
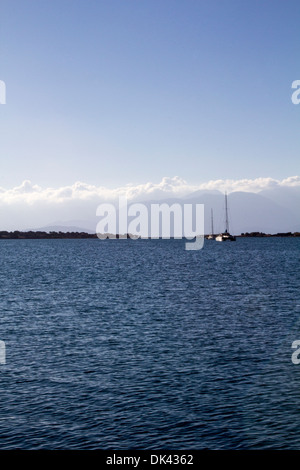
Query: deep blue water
[123,344]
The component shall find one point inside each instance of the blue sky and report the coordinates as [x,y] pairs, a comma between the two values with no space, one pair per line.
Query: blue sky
[128,91]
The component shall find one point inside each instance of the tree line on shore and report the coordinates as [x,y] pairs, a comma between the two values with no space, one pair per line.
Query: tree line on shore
[52,235]
[262,234]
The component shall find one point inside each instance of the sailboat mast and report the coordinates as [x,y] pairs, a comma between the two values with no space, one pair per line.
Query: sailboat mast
[226,212]
[212,222]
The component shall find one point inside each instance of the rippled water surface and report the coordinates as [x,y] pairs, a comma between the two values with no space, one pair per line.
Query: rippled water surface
[126,344]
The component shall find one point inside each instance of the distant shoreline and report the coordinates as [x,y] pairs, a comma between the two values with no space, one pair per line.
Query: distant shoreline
[32,235]
[262,234]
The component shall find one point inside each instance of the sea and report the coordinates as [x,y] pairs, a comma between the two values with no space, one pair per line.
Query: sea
[141,344]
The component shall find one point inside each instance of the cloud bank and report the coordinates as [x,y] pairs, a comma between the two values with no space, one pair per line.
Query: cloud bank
[31,194]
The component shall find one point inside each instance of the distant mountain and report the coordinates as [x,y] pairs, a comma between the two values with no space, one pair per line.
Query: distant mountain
[61,228]
[270,211]
[203,192]
[286,197]
[255,212]
[248,212]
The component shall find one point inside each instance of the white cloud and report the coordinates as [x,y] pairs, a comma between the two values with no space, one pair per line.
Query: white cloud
[30,194]
[250,185]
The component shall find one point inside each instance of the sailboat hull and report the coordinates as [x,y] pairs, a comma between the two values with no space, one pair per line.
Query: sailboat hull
[223,237]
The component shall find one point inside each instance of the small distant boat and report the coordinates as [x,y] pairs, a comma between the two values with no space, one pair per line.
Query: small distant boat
[211,236]
[225,236]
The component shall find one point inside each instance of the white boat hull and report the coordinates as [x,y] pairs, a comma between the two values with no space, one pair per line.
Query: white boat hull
[224,237]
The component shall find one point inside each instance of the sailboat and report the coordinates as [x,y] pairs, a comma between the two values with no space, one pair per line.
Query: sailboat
[211,236]
[223,237]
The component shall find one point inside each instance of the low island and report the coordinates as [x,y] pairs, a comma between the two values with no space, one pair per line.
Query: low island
[19,235]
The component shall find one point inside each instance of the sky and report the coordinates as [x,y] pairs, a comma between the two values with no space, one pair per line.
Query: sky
[145,98]
[130,91]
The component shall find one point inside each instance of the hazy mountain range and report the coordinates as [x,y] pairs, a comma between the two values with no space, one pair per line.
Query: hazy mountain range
[270,211]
